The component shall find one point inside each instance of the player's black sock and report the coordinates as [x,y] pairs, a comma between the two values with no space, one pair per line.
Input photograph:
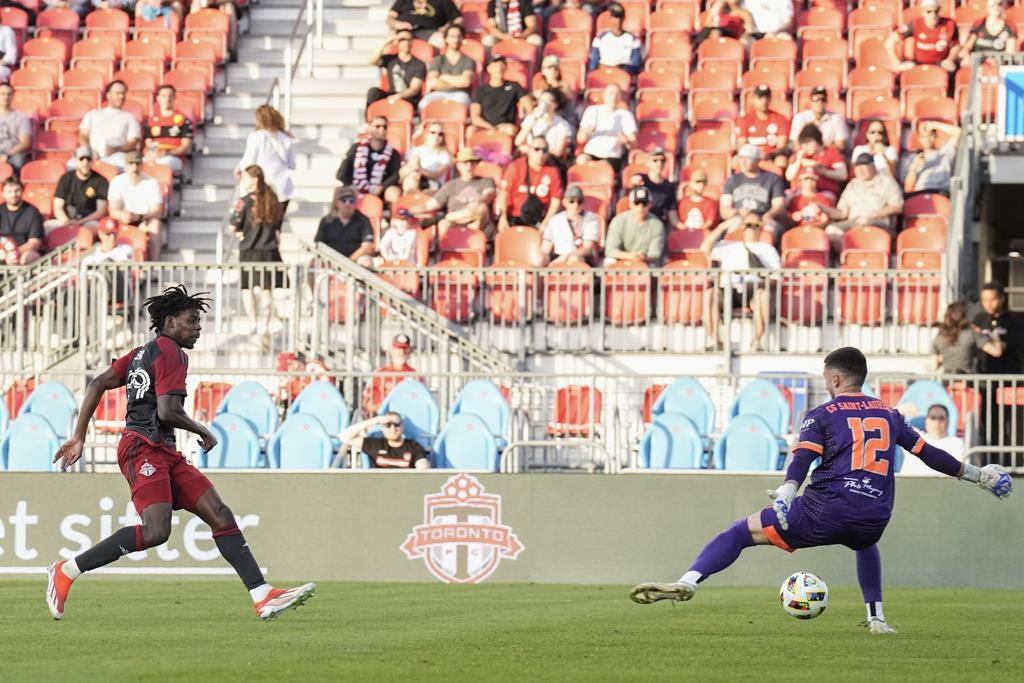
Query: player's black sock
[121,542]
[235,550]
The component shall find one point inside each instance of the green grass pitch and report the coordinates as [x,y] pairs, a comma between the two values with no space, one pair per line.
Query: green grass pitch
[191,630]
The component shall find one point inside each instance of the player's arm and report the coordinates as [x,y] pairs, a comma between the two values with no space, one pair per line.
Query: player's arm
[805,452]
[171,412]
[353,436]
[71,451]
[992,478]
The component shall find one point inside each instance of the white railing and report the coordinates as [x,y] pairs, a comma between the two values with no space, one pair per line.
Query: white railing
[306,37]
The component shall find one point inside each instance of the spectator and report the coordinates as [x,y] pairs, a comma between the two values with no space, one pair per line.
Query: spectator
[110,131]
[151,10]
[616,46]
[806,207]
[936,433]
[271,148]
[751,190]
[826,162]
[696,211]
[385,378]
[572,234]
[606,130]
[932,168]
[511,20]
[635,235]
[954,346]
[107,250]
[662,190]
[399,242]
[879,147]
[763,127]
[932,40]
[870,198]
[427,166]
[80,199]
[405,73]
[494,102]
[135,198]
[451,74]
[22,224]
[531,190]
[426,19]
[15,131]
[169,132]
[726,19]
[999,337]
[549,77]
[256,219]
[465,199]
[772,18]
[8,52]
[371,165]
[545,123]
[346,230]
[993,33]
[748,289]
[832,125]
[389,451]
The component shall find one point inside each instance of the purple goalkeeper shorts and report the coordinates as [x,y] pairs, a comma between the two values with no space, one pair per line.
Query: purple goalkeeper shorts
[807,532]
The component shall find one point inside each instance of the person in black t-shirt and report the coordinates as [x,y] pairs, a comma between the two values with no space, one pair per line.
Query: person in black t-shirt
[427,19]
[405,74]
[391,449]
[346,230]
[256,219]
[999,336]
[21,223]
[81,195]
[662,190]
[494,102]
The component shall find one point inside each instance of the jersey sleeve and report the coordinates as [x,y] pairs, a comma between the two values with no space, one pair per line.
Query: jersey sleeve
[812,436]
[170,369]
[906,436]
[120,365]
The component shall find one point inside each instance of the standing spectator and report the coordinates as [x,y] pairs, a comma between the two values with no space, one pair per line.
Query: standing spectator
[606,130]
[834,131]
[465,199]
[616,46]
[111,131]
[763,127]
[392,450]
[954,346]
[256,219]
[772,18]
[545,123]
[511,20]
[494,102]
[399,241]
[20,223]
[806,207]
[879,147]
[939,433]
[932,40]
[346,230]
[531,189]
[451,74]
[932,168]
[827,162]
[405,73]
[135,198]
[999,336]
[992,33]
[870,198]
[384,378]
[271,148]
[752,191]
[8,52]
[169,132]
[371,165]
[80,199]
[636,235]
[426,19]
[662,190]
[15,131]
[427,166]
[571,235]
[697,212]
[549,77]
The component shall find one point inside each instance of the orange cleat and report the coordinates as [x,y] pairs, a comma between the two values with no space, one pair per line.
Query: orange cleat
[57,587]
[280,600]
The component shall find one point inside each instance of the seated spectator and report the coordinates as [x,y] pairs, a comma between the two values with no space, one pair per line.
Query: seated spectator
[827,162]
[371,164]
[572,234]
[616,46]
[451,74]
[494,101]
[806,206]
[80,199]
[636,235]
[747,289]
[256,219]
[726,19]
[939,433]
[389,451]
[22,224]
[151,10]
[399,241]
[8,52]
[135,198]
[662,190]
[606,131]
[169,132]
[763,127]
[879,147]
[697,212]
[932,168]
[511,20]
[752,191]
[425,19]
[954,347]
[405,73]
[346,230]
[384,378]
[428,166]
[932,40]
[991,34]
[834,131]
[111,132]
[772,18]
[549,77]
[107,250]
[15,131]
[545,123]
[870,198]
[531,189]
[271,147]
[465,199]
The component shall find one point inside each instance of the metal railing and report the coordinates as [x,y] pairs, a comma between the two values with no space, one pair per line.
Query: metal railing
[307,29]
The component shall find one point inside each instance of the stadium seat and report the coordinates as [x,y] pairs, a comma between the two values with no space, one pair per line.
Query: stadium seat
[804,244]
[671,442]
[682,293]
[482,398]
[821,21]
[725,52]
[466,443]
[29,444]
[466,244]
[578,410]
[323,401]
[42,171]
[862,295]
[300,444]
[61,23]
[454,287]
[922,394]
[211,26]
[111,411]
[868,21]
[511,293]
[917,288]
[748,445]
[571,20]
[688,397]
[16,393]
[5,418]
[238,445]
[568,294]
[16,19]
[55,403]
[803,296]
[252,401]
[420,413]
[764,398]
[626,290]
[866,239]
[828,52]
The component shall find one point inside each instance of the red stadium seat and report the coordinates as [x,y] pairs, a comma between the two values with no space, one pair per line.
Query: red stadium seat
[210,26]
[674,18]
[42,171]
[861,295]
[774,52]
[682,293]
[968,404]
[657,81]
[17,393]
[828,52]
[872,52]
[871,81]
[627,294]
[136,79]
[511,293]
[820,21]
[926,205]
[454,286]
[712,106]
[867,240]
[884,108]
[57,145]
[869,21]
[568,291]
[45,52]
[804,244]
[917,294]
[683,242]
[110,413]
[518,50]
[577,411]
[467,244]
[665,48]
[16,19]
[207,399]
[726,52]
[66,114]
[474,17]
[61,23]
[32,77]
[802,296]
[40,196]
[491,143]
[776,75]
[989,82]
[571,21]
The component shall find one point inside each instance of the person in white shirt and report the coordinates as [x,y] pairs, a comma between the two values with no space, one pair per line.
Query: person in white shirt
[111,132]
[834,131]
[271,148]
[8,52]
[107,250]
[571,235]
[606,131]
[616,46]
[15,130]
[771,17]
[428,166]
[135,198]
[545,121]
[936,433]
[398,243]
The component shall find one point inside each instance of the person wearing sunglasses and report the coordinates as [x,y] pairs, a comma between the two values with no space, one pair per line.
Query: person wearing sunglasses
[870,198]
[928,39]
[664,203]
[573,233]
[371,164]
[388,448]
[429,165]
[762,126]
[991,33]
[546,122]
[832,124]
[636,235]
[346,229]
[531,189]
[878,146]
[404,73]
[697,211]
[135,198]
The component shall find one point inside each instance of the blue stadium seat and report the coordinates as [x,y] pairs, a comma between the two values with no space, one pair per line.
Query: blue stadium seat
[238,444]
[466,443]
[748,445]
[251,401]
[323,401]
[672,442]
[420,414]
[29,444]
[300,444]
[55,403]
[5,418]
[923,394]
[799,388]
[482,398]
[761,397]
[686,396]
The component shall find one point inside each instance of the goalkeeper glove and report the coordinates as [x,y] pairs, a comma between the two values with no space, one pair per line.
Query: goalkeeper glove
[992,478]
[782,500]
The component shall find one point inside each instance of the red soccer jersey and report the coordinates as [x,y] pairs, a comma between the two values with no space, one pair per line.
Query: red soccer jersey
[694,213]
[809,213]
[930,45]
[380,386]
[765,134]
[520,182]
[168,131]
[150,371]
[827,157]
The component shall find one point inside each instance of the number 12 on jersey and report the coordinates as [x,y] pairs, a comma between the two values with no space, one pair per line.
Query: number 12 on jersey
[870,435]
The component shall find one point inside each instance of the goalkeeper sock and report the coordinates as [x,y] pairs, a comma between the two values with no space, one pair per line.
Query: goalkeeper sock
[874,610]
[71,570]
[235,550]
[869,576]
[123,541]
[723,550]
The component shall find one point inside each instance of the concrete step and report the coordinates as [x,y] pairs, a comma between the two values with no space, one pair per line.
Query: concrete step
[339,17]
[261,55]
[272,67]
[278,39]
[204,175]
[309,115]
[223,194]
[312,132]
[259,87]
[298,210]
[248,101]
[324,161]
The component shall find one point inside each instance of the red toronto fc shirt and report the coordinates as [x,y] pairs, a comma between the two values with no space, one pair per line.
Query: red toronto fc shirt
[809,213]
[765,134]
[168,131]
[827,157]
[694,213]
[931,45]
[520,182]
[155,369]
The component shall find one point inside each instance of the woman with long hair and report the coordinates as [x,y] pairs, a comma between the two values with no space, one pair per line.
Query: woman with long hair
[954,346]
[271,148]
[256,219]
[879,147]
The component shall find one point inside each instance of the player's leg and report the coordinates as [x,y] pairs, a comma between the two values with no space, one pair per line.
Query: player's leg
[869,576]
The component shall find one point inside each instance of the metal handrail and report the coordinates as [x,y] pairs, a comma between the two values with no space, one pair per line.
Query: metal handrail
[281,88]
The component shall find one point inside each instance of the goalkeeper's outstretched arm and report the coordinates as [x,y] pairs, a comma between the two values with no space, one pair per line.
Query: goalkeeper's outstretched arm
[992,478]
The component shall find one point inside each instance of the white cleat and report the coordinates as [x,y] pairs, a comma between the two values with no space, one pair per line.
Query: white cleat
[281,600]
[649,593]
[877,626]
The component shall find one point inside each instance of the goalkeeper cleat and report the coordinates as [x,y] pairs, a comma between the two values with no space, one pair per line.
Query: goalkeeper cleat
[281,600]
[877,626]
[649,593]
[57,587]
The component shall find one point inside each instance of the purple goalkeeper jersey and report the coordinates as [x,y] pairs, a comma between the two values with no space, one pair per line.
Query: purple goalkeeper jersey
[856,437]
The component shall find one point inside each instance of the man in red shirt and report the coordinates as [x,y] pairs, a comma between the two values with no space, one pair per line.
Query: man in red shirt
[826,162]
[761,126]
[804,206]
[531,191]
[697,212]
[168,131]
[933,40]
[382,381]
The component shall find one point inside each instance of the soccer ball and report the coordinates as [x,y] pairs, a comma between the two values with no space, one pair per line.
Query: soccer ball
[803,595]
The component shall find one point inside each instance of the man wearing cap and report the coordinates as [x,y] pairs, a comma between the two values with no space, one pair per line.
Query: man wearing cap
[111,132]
[636,235]
[571,235]
[346,230]
[761,126]
[870,198]
[109,251]
[606,130]
[752,191]
[662,190]
[511,20]
[805,206]
[696,211]
[616,46]
[20,223]
[827,162]
[426,19]
[80,199]
[371,164]
[531,189]
[466,199]
[834,131]
[15,130]
[135,198]
[494,102]
[932,40]
[451,74]
[384,378]
[405,73]
[932,168]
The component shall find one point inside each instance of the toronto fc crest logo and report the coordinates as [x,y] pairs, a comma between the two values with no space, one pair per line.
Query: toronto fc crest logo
[462,539]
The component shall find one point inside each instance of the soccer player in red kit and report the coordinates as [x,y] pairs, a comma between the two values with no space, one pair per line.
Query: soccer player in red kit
[160,478]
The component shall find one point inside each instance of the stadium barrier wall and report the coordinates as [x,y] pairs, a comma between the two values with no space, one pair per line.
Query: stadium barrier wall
[466,528]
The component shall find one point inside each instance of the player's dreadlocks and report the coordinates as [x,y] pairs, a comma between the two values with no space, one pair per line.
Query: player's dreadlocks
[173,301]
